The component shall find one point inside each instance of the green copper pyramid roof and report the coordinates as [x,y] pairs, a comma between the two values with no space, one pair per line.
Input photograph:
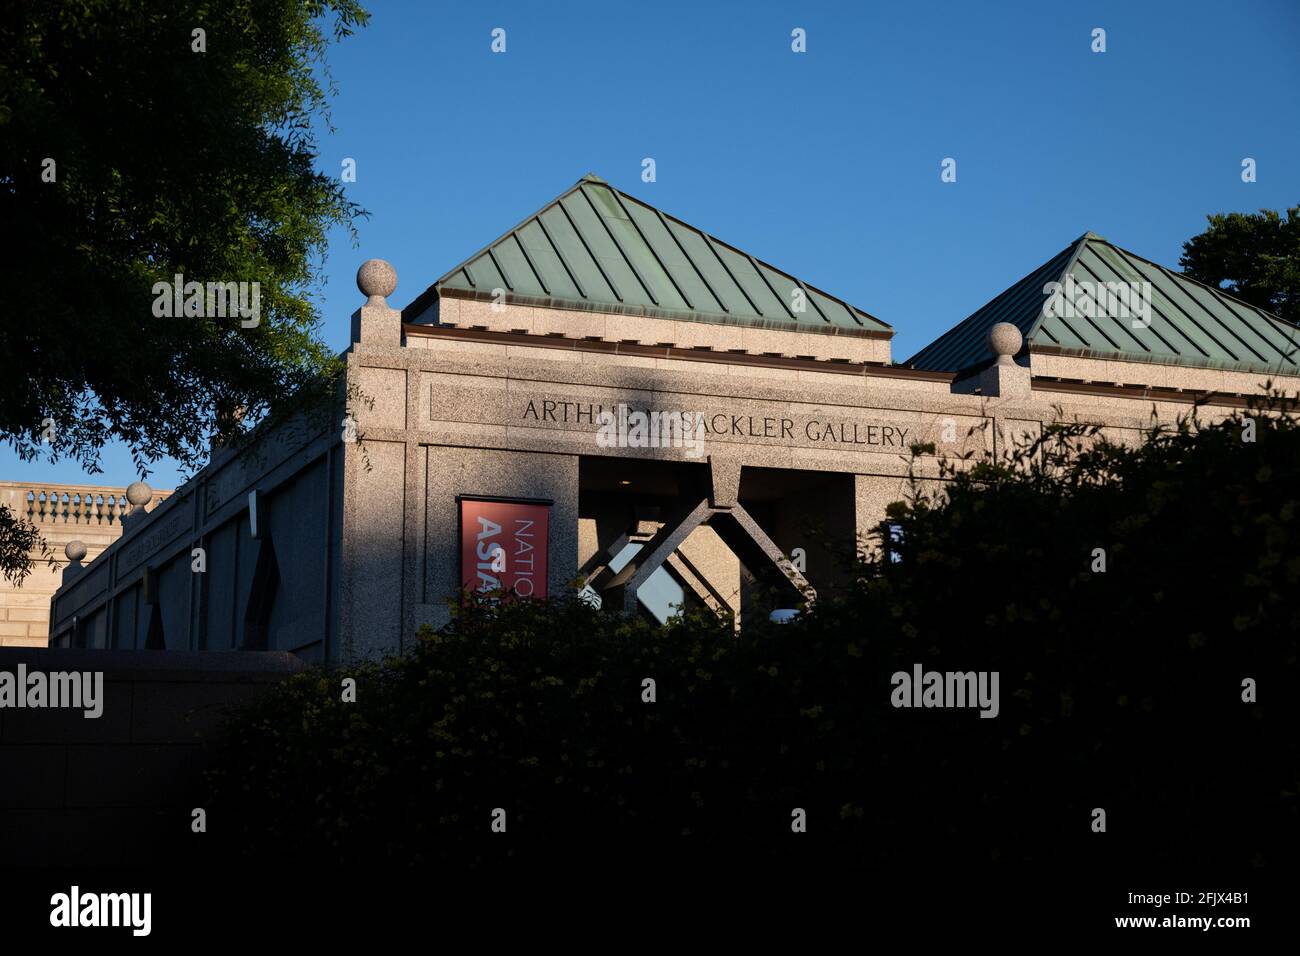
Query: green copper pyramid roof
[597,248]
[1191,323]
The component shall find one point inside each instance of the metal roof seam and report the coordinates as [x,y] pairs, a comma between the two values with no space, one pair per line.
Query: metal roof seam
[1098,280]
[1177,280]
[559,253]
[694,265]
[1168,319]
[808,298]
[710,242]
[653,252]
[537,273]
[1198,282]
[1075,251]
[591,253]
[770,288]
[645,285]
[500,267]
[1228,304]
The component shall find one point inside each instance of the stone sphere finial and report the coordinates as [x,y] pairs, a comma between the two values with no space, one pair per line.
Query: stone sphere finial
[376,278]
[138,493]
[75,550]
[1005,341]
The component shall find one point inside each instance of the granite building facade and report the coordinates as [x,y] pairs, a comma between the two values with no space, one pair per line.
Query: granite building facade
[607,398]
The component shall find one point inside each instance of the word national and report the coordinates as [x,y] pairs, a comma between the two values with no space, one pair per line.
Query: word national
[103,909]
[182,299]
[59,689]
[946,689]
[635,429]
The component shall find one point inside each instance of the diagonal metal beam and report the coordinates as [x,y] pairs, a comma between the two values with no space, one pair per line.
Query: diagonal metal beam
[738,531]
[694,578]
[746,538]
[655,552]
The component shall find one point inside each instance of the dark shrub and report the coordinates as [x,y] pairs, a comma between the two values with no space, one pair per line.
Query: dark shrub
[1119,690]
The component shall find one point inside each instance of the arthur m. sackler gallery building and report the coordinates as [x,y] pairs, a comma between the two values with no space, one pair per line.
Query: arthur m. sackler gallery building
[609,395]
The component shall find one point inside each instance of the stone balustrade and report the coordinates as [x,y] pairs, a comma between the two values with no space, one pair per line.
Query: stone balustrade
[63,513]
[58,504]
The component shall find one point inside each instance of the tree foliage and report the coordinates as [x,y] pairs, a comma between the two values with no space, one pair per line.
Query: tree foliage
[128,157]
[19,540]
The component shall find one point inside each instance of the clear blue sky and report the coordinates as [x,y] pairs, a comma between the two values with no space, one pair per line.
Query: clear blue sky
[824,163]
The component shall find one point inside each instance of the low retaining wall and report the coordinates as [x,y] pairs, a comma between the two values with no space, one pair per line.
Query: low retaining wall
[118,790]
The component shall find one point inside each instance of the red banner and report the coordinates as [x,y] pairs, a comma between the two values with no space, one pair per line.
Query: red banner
[503,546]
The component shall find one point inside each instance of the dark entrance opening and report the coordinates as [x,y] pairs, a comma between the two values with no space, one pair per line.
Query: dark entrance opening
[810,515]
[653,527]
